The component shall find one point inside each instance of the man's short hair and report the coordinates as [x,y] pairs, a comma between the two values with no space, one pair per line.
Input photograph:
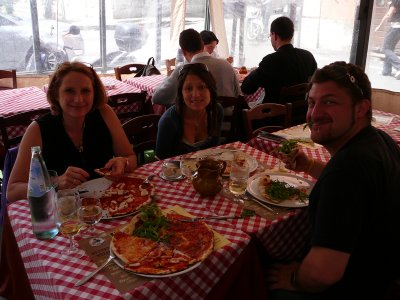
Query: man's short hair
[348,76]
[190,40]
[208,37]
[283,27]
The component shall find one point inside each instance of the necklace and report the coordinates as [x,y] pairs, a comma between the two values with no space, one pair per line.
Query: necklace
[76,139]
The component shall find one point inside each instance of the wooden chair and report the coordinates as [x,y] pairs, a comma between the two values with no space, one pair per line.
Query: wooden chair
[296,94]
[127,69]
[231,106]
[12,124]
[142,134]
[268,117]
[11,74]
[170,64]
[21,119]
[129,105]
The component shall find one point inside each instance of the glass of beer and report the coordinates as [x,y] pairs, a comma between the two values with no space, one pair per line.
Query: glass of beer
[239,175]
[68,221]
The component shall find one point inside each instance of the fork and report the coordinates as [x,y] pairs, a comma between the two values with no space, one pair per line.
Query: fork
[250,197]
[85,279]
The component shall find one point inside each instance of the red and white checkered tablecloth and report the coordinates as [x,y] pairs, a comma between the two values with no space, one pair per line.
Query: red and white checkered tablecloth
[53,277]
[283,238]
[393,128]
[14,101]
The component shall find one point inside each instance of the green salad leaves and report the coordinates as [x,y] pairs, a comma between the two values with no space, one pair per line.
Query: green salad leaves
[280,191]
[152,223]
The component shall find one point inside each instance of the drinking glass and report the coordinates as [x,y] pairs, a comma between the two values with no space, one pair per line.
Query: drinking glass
[68,221]
[238,176]
[90,213]
[188,167]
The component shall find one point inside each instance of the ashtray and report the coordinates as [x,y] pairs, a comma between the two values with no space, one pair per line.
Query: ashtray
[171,171]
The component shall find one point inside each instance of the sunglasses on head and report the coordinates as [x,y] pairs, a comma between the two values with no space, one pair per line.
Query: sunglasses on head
[193,66]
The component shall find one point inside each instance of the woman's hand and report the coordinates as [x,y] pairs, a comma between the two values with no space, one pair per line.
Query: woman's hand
[117,165]
[72,177]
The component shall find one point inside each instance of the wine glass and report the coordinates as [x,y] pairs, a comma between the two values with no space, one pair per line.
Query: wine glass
[68,221]
[90,213]
[188,167]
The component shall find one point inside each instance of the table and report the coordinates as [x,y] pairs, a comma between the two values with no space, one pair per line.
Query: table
[15,101]
[51,276]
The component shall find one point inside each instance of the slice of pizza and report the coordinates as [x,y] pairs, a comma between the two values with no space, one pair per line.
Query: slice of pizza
[103,171]
[131,249]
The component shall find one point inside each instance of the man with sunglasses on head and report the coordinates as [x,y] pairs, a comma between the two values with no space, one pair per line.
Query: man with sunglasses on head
[193,50]
[354,205]
[287,66]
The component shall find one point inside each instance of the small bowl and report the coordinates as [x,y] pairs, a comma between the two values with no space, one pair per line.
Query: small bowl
[171,170]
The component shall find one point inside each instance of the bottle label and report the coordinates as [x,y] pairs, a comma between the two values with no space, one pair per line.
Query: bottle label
[37,184]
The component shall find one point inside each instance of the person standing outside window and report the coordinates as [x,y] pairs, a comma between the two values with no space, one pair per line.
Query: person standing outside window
[392,37]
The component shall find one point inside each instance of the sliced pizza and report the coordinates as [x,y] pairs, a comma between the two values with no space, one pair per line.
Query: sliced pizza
[126,196]
[154,243]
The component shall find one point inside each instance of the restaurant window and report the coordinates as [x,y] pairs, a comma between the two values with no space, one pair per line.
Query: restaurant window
[381,78]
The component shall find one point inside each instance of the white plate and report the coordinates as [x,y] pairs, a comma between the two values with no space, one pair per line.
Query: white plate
[120,264]
[293,180]
[227,154]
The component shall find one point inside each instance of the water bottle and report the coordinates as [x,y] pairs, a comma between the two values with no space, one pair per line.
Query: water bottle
[41,196]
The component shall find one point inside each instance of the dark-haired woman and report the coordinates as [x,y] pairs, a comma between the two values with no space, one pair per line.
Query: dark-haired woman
[194,122]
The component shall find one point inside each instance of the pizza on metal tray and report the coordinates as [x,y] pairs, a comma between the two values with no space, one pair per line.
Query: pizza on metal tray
[176,246]
[125,196]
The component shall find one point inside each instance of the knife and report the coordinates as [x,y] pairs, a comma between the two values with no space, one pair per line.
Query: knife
[209,218]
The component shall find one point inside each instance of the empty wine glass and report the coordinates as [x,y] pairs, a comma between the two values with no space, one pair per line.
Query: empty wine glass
[188,167]
[90,213]
[68,221]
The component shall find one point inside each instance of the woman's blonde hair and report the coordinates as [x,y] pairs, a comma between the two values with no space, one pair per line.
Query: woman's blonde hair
[99,98]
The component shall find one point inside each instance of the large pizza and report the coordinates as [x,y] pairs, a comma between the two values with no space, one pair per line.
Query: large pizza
[157,244]
[125,196]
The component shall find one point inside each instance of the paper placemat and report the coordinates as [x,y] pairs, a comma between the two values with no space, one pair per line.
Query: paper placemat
[122,280]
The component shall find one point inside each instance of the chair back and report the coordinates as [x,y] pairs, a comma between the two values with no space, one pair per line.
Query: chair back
[296,94]
[8,74]
[127,69]
[267,117]
[10,123]
[142,134]
[170,64]
[129,105]
[230,122]
[11,156]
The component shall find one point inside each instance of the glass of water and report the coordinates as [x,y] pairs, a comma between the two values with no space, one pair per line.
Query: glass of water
[238,176]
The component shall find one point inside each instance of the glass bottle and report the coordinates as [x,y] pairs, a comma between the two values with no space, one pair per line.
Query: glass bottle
[41,197]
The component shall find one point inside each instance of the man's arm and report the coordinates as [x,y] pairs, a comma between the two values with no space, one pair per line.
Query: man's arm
[388,15]
[320,269]
[165,93]
[251,83]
